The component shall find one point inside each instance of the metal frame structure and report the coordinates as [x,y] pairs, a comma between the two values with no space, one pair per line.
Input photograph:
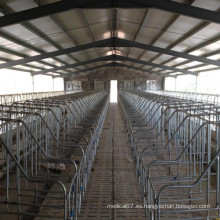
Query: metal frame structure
[175,145]
[186,8]
[57,7]
[114,58]
[50,139]
[8,99]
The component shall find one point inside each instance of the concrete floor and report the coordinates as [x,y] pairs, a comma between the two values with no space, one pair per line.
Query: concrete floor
[112,181]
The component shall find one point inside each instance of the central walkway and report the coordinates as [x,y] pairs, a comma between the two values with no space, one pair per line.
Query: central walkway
[112,181]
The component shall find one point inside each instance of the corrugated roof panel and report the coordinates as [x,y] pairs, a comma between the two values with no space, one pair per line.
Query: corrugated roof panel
[19,5]
[136,53]
[84,26]
[203,68]
[8,56]
[99,30]
[180,47]
[16,47]
[167,39]
[158,19]
[190,64]
[210,31]
[212,5]
[70,20]
[27,68]
[62,40]
[175,61]
[96,16]
[80,35]
[215,57]
[162,58]
[40,65]
[149,55]
[190,42]
[183,24]
[46,25]
[127,30]
[20,32]
[148,34]
[131,15]
[212,47]
[52,61]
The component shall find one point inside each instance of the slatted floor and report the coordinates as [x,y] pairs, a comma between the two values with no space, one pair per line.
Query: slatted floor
[112,181]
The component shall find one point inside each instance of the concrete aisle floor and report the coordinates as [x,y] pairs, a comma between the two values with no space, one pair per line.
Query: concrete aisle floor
[113,180]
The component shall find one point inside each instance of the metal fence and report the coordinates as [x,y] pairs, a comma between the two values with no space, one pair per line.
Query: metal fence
[204,97]
[175,142]
[48,142]
[7,99]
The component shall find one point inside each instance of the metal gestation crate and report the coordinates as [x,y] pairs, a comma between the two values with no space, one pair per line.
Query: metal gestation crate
[175,142]
[47,147]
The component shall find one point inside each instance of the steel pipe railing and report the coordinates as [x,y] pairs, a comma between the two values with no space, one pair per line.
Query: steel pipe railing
[50,140]
[175,144]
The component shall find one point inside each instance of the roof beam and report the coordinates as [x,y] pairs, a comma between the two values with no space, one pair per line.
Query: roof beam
[167,26]
[127,43]
[35,31]
[89,69]
[112,64]
[199,65]
[183,38]
[203,44]
[41,2]
[122,58]
[99,59]
[143,23]
[101,43]
[118,58]
[114,29]
[178,8]
[105,58]
[108,43]
[138,68]
[166,5]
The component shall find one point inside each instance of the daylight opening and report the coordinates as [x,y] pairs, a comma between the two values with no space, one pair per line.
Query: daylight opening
[114,91]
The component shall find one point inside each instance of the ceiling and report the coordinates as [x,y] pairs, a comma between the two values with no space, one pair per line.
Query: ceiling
[63,38]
